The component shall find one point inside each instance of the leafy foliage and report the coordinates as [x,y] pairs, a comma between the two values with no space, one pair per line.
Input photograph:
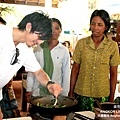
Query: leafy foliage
[10,14]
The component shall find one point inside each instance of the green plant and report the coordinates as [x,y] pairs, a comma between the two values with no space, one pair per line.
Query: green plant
[6,9]
[10,14]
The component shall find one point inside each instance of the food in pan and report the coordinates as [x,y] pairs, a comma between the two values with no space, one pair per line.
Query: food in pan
[50,105]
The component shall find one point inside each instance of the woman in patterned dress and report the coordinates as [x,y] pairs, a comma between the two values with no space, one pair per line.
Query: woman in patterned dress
[96,58]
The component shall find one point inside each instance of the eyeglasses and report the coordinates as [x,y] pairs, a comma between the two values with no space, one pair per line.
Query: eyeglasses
[14,58]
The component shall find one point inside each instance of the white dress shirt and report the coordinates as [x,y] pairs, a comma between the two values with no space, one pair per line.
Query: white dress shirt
[61,72]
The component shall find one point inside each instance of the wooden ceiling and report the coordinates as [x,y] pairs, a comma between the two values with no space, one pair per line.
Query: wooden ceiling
[31,2]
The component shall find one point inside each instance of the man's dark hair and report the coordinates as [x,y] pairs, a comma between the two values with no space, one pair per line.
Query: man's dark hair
[41,24]
[2,21]
[104,16]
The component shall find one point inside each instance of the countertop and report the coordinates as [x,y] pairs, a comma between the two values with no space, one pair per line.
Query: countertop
[19,118]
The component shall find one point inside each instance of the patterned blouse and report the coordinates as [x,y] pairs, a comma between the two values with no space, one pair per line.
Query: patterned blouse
[93,79]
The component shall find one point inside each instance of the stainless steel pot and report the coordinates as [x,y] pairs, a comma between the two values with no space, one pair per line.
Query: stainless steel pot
[70,105]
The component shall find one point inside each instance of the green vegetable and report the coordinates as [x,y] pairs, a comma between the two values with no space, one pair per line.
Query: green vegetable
[51,106]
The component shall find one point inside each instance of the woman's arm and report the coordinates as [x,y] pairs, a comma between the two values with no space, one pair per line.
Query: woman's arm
[73,79]
[113,82]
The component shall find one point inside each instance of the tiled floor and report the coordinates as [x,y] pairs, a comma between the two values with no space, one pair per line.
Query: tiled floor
[17,85]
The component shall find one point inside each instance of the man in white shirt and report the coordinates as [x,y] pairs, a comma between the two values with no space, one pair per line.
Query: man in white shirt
[16,51]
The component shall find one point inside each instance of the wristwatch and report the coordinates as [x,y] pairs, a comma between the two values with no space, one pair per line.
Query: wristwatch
[49,82]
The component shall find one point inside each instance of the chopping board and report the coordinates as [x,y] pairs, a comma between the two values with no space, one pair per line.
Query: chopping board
[87,115]
[82,115]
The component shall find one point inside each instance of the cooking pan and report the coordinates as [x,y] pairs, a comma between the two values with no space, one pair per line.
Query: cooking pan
[105,110]
[68,105]
[106,105]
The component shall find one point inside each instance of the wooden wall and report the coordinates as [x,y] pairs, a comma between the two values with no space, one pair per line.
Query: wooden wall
[31,2]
